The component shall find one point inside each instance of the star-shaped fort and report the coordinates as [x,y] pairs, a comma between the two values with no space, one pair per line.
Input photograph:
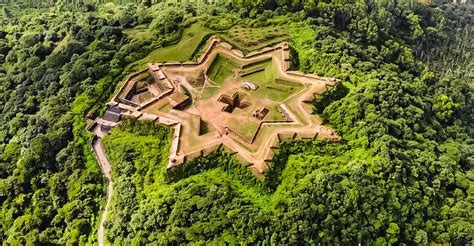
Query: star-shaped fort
[247,103]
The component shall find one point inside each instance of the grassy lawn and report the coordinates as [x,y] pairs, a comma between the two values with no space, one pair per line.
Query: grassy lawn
[278,91]
[249,39]
[244,38]
[274,114]
[221,68]
[144,76]
[182,51]
[209,92]
[138,32]
[269,87]
[247,130]
[261,78]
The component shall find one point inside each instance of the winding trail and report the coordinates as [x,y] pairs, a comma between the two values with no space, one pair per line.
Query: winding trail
[98,148]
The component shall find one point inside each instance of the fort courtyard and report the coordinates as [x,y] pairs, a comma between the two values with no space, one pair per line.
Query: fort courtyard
[246,103]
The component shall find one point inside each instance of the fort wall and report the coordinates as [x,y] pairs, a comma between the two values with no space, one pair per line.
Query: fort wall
[133,109]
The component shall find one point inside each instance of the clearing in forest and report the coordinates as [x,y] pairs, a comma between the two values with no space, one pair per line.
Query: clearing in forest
[247,103]
[248,39]
[244,38]
[182,50]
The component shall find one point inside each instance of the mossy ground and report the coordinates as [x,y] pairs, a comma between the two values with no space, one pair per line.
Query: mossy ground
[221,68]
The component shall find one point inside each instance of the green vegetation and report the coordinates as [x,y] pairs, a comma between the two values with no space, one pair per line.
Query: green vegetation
[138,32]
[269,86]
[274,114]
[246,130]
[139,151]
[144,76]
[56,66]
[335,94]
[249,39]
[402,174]
[221,68]
[209,92]
[182,50]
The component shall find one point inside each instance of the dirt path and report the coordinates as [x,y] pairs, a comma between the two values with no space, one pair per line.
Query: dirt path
[105,165]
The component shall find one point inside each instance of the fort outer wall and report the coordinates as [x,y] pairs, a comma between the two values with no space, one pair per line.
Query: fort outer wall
[214,42]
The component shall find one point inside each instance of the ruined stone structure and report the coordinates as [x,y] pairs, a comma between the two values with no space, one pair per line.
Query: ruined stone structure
[260,113]
[204,120]
[249,86]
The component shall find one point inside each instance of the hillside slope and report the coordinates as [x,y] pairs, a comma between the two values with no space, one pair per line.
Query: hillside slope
[402,174]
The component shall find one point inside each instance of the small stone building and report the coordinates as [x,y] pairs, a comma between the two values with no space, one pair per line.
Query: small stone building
[105,127]
[112,114]
[260,113]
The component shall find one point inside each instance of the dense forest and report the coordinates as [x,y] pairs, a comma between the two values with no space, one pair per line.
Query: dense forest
[401,175]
